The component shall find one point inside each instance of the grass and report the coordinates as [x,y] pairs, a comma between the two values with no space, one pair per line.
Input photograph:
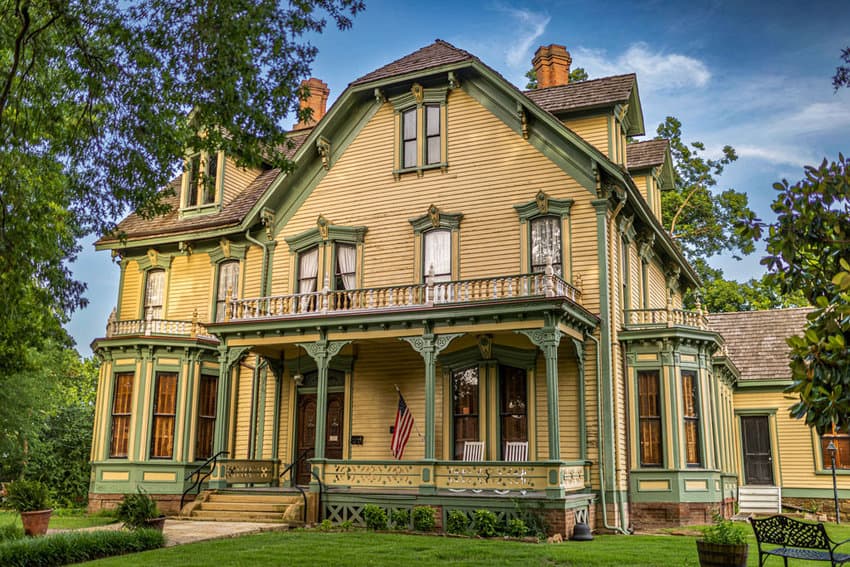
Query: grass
[305,547]
[65,519]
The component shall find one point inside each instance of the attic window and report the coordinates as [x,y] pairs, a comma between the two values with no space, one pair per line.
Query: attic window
[201,180]
[420,130]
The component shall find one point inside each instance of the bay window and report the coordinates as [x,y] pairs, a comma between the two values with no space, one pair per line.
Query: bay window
[464,408]
[649,418]
[690,416]
[206,416]
[164,411]
[513,406]
[122,395]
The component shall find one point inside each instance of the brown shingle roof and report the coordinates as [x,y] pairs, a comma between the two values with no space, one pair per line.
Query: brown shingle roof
[438,53]
[646,154]
[755,340]
[585,94]
[232,212]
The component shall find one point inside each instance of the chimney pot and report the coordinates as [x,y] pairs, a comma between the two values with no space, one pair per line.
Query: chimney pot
[317,101]
[552,66]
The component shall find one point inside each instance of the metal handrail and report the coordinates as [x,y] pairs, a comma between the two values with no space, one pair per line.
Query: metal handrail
[289,469]
[201,478]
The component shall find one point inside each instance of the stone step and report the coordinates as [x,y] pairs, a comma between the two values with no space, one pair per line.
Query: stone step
[282,499]
[228,506]
[219,516]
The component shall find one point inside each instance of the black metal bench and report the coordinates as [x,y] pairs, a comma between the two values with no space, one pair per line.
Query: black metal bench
[796,540]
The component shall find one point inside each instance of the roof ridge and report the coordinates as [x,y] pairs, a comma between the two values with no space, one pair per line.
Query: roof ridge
[414,61]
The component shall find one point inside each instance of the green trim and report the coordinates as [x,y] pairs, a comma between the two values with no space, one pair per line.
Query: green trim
[543,205]
[314,236]
[827,493]
[677,486]
[227,250]
[153,260]
[756,411]
[780,384]
[436,219]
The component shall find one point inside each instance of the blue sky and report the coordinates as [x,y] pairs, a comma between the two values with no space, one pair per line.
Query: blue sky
[751,74]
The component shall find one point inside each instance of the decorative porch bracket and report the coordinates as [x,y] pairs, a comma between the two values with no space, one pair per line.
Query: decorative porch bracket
[322,351]
[429,346]
[227,358]
[548,339]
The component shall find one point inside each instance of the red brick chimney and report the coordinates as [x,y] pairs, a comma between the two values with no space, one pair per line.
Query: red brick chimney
[317,101]
[552,65]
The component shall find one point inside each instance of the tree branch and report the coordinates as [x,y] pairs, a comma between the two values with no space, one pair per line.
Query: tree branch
[24,14]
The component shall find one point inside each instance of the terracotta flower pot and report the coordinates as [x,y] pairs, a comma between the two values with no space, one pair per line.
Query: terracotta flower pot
[156,523]
[722,555]
[35,523]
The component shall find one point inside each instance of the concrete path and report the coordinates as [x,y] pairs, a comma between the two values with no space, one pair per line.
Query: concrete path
[180,532]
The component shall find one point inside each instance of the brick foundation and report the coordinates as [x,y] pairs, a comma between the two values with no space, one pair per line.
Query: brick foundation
[652,515]
[564,521]
[168,504]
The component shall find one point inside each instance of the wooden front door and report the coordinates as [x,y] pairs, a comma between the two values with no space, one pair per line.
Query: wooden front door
[306,438]
[758,460]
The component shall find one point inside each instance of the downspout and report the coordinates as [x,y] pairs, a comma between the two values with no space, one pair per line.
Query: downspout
[605,523]
[264,274]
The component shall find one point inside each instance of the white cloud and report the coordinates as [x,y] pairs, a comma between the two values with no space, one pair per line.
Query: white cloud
[529,26]
[657,71]
[777,154]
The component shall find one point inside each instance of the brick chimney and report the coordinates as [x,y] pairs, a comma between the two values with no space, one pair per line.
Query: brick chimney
[552,65]
[317,101]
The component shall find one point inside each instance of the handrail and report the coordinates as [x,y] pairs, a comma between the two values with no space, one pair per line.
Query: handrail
[319,502]
[201,478]
[289,469]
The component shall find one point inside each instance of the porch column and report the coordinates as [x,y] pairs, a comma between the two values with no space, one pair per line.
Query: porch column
[226,359]
[548,339]
[322,351]
[429,346]
[582,411]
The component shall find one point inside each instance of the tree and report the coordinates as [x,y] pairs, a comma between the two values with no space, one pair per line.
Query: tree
[703,222]
[808,249]
[721,295]
[94,100]
[842,72]
[577,75]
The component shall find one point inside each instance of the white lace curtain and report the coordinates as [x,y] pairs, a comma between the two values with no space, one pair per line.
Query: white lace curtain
[438,254]
[308,269]
[153,294]
[545,242]
[346,255]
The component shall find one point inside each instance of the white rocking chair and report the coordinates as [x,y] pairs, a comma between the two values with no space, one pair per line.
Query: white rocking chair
[516,451]
[473,450]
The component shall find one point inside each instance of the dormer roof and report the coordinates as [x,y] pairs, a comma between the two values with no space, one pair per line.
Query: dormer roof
[437,54]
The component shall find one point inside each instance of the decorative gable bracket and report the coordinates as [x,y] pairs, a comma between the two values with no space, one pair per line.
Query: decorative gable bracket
[323,146]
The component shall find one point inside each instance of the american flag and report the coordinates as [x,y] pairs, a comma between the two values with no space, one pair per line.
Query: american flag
[402,429]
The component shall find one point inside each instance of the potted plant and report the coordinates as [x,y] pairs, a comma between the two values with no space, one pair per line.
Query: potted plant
[724,544]
[139,510]
[30,499]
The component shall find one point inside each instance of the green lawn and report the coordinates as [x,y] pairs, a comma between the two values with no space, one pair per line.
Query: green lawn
[365,548]
[63,519]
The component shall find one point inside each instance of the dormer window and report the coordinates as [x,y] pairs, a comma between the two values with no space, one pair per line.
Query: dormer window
[201,180]
[420,130]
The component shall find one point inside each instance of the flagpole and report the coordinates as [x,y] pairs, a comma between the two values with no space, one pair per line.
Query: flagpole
[414,421]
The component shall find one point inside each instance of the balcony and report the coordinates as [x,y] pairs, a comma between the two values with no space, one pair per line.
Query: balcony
[639,319]
[157,327]
[399,298]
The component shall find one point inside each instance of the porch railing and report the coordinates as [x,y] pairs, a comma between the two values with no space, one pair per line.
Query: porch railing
[664,317]
[429,294]
[150,326]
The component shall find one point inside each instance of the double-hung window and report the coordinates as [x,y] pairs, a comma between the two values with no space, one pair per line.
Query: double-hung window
[438,263]
[690,415]
[228,282]
[513,406]
[164,411]
[841,442]
[308,272]
[649,418]
[154,292]
[420,129]
[464,408]
[201,180]
[122,396]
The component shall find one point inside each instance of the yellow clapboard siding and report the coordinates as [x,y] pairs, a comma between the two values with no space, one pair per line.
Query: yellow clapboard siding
[190,287]
[236,179]
[485,191]
[593,129]
[657,285]
[244,389]
[131,293]
[253,266]
[796,445]
[568,394]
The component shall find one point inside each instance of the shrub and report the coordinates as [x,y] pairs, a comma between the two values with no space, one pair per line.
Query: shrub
[401,519]
[375,517]
[27,495]
[9,532]
[423,519]
[76,547]
[457,522]
[724,532]
[325,526]
[485,523]
[346,526]
[516,528]
[136,509]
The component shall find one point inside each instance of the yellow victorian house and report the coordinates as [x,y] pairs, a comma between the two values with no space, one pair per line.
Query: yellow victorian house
[494,257]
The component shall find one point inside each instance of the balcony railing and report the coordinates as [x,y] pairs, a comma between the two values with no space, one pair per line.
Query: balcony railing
[159,327]
[664,317]
[430,294]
